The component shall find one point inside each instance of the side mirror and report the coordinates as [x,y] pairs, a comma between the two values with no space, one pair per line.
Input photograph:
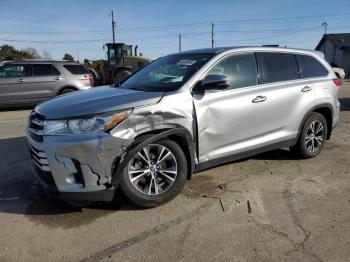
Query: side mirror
[215,82]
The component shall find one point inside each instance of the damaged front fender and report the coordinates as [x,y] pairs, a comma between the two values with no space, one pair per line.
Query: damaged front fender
[137,146]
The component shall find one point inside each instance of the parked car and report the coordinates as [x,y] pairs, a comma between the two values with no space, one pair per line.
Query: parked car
[28,82]
[181,114]
[339,72]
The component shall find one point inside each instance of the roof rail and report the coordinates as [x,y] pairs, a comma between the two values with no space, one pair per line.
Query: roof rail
[44,60]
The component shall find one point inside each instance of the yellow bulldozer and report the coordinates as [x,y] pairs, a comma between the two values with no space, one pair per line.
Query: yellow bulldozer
[121,63]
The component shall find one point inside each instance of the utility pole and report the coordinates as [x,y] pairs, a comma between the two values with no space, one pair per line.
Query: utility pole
[78,55]
[179,42]
[113,27]
[212,35]
[325,27]
[325,36]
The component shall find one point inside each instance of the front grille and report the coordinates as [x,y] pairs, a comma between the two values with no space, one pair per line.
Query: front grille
[36,126]
[39,158]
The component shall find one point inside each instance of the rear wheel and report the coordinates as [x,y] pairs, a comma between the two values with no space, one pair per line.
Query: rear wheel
[313,136]
[155,174]
[67,90]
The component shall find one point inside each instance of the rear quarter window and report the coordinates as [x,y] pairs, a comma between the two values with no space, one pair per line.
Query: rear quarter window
[276,67]
[310,67]
[76,69]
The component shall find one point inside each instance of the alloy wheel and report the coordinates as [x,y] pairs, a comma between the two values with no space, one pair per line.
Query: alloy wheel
[153,169]
[314,136]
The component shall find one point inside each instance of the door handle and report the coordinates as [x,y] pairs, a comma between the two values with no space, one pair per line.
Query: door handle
[259,99]
[21,80]
[306,89]
[58,78]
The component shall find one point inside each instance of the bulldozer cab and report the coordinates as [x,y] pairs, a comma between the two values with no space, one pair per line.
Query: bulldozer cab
[116,51]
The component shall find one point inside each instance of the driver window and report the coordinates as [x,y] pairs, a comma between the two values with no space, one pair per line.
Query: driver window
[240,70]
[12,71]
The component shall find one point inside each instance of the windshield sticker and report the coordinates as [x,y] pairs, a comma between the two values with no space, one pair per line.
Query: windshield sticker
[186,62]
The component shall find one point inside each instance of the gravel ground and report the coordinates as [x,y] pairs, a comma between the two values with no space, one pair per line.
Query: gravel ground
[271,207]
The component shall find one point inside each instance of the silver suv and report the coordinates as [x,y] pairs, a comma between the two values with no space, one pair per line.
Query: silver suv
[181,114]
[31,81]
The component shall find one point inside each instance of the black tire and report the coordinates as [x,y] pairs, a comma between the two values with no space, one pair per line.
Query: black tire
[305,149]
[67,90]
[141,199]
[121,76]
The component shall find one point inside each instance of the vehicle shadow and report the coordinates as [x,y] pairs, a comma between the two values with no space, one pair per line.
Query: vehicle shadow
[15,108]
[344,103]
[21,194]
[278,154]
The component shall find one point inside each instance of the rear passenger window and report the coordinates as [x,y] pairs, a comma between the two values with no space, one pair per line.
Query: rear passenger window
[240,69]
[76,69]
[276,67]
[310,67]
[44,70]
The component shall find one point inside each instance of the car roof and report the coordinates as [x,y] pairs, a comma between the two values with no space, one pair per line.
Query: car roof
[217,50]
[40,61]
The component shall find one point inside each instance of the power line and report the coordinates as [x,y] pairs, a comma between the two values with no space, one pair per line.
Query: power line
[53,32]
[195,24]
[261,38]
[255,20]
[285,19]
[186,35]
[53,41]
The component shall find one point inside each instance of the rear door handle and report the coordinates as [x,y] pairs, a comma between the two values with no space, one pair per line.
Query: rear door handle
[259,99]
[58,78]
[306,89]
[21,80]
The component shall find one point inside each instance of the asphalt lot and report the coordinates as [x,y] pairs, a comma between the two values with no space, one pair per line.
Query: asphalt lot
[271,207]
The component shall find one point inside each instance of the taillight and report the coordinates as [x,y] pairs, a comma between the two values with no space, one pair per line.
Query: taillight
[337,82]
[87,77]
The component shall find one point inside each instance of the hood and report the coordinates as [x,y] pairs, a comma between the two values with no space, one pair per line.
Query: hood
[96,100]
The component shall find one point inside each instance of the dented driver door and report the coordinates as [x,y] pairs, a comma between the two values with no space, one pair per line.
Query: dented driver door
[236,119]
[229,123]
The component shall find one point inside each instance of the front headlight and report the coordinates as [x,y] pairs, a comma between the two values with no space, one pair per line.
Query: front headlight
[85,125]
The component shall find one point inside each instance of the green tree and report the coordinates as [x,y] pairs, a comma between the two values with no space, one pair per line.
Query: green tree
[8,52]
[68,57]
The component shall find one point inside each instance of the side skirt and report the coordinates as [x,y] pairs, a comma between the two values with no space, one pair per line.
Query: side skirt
[231,158]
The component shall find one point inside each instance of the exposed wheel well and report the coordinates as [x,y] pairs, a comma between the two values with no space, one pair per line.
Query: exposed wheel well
[178,138]
[66,87]
[327,113]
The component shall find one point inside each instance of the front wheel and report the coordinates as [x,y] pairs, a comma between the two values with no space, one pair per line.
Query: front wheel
[155,174]
[313,136]
[121,76]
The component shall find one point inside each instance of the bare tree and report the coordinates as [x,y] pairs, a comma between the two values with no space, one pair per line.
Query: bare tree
[32,52]
[46,55]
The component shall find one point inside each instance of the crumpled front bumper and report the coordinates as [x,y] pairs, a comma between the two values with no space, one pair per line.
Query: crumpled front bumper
[78,167]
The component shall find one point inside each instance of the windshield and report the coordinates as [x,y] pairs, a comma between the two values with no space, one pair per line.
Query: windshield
[167,73]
